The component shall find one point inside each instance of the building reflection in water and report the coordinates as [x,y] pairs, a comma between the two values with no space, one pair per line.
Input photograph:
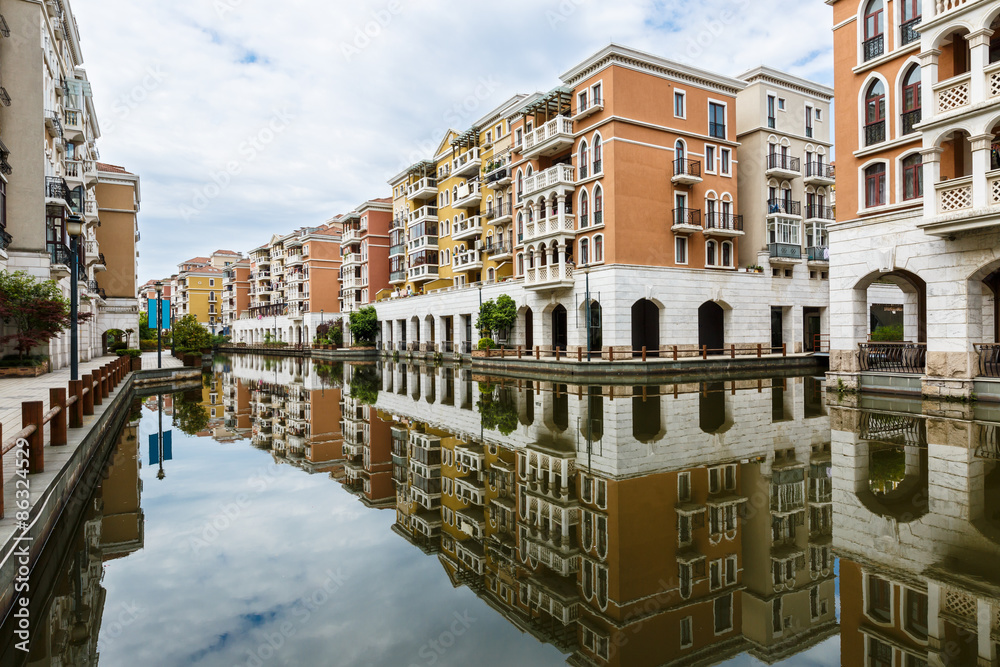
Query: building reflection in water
[111,526]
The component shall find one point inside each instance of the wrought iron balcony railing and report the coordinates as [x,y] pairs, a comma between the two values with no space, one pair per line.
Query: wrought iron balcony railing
[874,47]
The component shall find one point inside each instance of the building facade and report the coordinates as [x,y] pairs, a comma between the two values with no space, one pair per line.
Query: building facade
[364,250]
[918,100]
[590,188]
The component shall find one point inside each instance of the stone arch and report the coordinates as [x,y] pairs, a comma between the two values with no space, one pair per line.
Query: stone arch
[712,327]
[645,327]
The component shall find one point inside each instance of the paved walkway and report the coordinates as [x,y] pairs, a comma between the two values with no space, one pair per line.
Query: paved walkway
[169,361]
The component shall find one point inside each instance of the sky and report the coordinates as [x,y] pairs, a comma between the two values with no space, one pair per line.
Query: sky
[247,118]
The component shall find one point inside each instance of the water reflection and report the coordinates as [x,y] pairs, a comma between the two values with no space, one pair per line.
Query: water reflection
[669,524]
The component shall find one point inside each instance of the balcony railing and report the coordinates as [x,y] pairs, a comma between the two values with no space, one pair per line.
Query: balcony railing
[56,188]
[397,276]
[542,276]
[552,136]
[818,254]
[989,359]
[498,211]
[873,48]
[874,133]
[468,228]
[909,119]
[687,216]
[397,249]
[561,174]
[781,162]
[5,238]
[820,170]
[908,32]
[59,253]
[685,167]
[784,206]
[818,212]
[784,250]
[953,93]
[909,358]
[499,249]
[725,222]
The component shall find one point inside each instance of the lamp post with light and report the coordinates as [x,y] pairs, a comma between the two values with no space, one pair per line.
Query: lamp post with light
[74,227]
[159,324]
[586,274]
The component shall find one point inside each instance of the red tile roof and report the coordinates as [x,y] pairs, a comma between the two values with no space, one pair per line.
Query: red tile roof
[113,168]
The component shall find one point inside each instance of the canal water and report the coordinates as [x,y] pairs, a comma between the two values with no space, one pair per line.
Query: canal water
[289,513]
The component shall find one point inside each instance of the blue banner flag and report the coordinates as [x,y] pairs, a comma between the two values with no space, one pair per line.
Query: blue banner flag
[154,448]
[151,312]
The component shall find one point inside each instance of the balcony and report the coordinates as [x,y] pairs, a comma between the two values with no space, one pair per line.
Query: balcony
[352,258]
[396,277]
[351,282]
[555,136]
[588,108]
[499,251]
[353,235]
[783,166]
[467,229]
[293,260]
[423,273]
[784,253]
[686,172]
[90,210]
[818,254]
[53,123]
[874,133]
[820,173]
[425,188]
[560,176]
[908,32]
[783,208]
[90,171]
[818,212]
[553,276]
[398,249]
[426,242]
[910,119]
[471,260]
[686,221]
[466,164]
[469,195]
[497,174]
[954,93]
[499,212]
[721,224]
[873,48]
[954,195]
[56,191]
[73,125]
[552,225]
[424,214]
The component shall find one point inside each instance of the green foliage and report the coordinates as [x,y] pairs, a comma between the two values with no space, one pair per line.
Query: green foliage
[365,383]
[190,415]
[16,361]
[189,334]
[484,323]
[364,326]
[886,469]
[889,333]
[135,354]
[145,333]
[34,309]
[220,340]
[486,344]
[496,317]
[497,409]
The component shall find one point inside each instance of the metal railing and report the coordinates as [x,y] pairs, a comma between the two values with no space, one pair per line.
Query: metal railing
[908,32]
[56,188]
[59,253]
[873,48]
[818,254]
[909,358]
[685,167]
[874,133]
[724,221]
[989,359]
[784,250]
[818,211]
[820,170]
[787,206]
[909,119]
[783,162]
[687,216]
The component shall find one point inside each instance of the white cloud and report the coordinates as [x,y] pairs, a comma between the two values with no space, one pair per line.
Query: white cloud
[182,89]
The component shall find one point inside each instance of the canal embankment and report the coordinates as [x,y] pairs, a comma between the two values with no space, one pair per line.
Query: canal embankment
[52,429]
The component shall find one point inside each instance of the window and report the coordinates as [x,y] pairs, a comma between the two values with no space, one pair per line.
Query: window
[715,574]
[598,155]
[874,27]
[784,230]
[584,252]
[683,487]
[679,111]
[879,599]
[687,636]
[711,253]
[875,113]
[596,90]
[717,120]
[680,250]
[599,248]
[771,119]
[710,159]
[723,614]
[916,614]
[581,101]
[724,157]
[911,100]
[598,205]
[809,121]
[781,104]
[913,177]
[518,137]
[727,253]
[584,159]
[910,18]
[875,185]
[584,209]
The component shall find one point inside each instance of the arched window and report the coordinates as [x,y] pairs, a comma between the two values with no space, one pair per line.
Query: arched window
[584,252]
[727,253]
[875,113]
[543,255]
[520,185]
[584,159]
[874,30]
[679,152]
[520,264]
[599,248]
[491,275]
[211,296]
[598,155]
[520,227]
[995,40]
[911,99]
[454,193]
[875,185]
[543,209]
[584,209]
[598,205]
[913,176]
[710,253]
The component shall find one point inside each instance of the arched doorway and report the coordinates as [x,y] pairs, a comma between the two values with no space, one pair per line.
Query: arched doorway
[529,329]
[595,324]
[559,331]
[711,327]
[645,327]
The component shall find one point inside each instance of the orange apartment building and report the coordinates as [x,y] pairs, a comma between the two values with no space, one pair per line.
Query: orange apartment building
[235,292]
[365,252]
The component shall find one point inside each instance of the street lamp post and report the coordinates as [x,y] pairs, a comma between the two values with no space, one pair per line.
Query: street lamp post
[586,275]
[159,324]
[74,227]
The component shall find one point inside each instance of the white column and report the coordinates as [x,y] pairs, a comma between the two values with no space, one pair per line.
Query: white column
[980,165]
[979,58]
[932,175]
[928,77]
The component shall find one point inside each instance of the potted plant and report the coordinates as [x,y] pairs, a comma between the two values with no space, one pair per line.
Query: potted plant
[483,348]
[135,358]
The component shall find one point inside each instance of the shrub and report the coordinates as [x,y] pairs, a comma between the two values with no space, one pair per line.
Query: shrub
[486,344]
[135,354]
[364,325]
[14,361]
[890,333]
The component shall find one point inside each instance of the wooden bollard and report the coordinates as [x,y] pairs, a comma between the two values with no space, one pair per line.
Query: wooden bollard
[88,397]
[675,353]
[502,353]
[105,383]
[784,349]
[732,351]
[518,351]
[758,350]
[557,352]
[32,413]
[704,351]
[538,352]
[644,353]
[75,416]
[57,399]
[579,354]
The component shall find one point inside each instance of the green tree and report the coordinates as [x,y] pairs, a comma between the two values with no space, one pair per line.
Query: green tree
[35,309]
[145,333]
[365,383]
[188,334]
[190,415]
[504,316]
[497,409]
[484,323]
[363,325]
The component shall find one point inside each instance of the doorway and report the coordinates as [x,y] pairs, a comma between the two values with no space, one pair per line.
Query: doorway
[711,327]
